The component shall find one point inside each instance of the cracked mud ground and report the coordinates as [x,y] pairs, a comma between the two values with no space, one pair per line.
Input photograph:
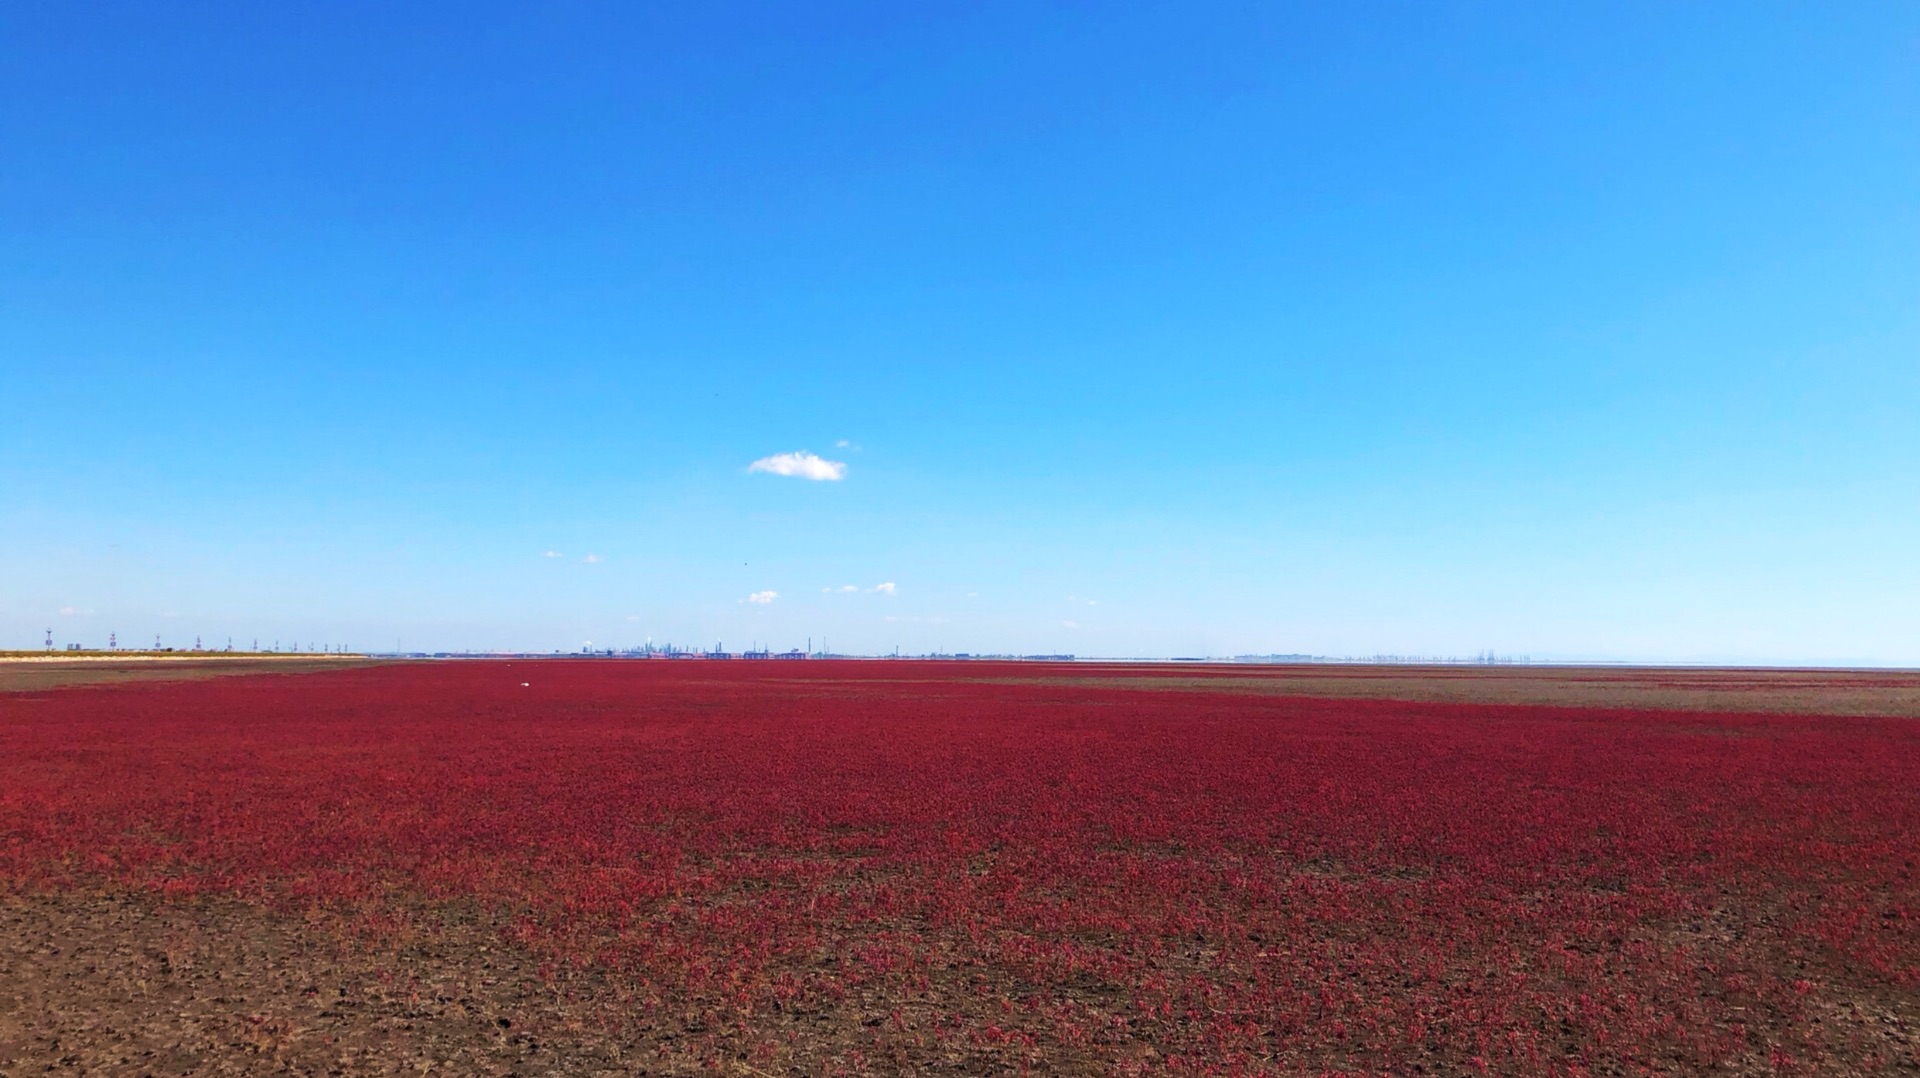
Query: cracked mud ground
[120,986]
[130,986]
[114,985]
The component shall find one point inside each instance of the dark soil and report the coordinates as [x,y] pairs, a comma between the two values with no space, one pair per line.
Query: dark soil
[122,986]
[1795,692]
[36,675]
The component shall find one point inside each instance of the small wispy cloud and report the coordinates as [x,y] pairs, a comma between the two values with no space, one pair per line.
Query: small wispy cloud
[801,465]
[591,559]
[762,598]
[76,612]
[1070,624]
[553,554]
[888,588]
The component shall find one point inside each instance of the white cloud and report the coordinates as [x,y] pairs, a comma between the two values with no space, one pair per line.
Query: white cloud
[553,554]
[801,465]
[888,588]
[75,612]
[1093,602]
[762,598]
[1070,624]
[591,559]
[843,444]
[849,588]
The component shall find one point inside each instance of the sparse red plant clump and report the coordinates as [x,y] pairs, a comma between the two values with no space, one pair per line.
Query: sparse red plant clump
[960,857]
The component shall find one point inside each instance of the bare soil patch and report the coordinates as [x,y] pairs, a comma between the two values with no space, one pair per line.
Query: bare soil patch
[123,986]
[1796,692]
[96,984]
[36,674]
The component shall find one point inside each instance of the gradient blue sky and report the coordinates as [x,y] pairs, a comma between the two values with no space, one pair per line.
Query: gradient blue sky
[1574,331]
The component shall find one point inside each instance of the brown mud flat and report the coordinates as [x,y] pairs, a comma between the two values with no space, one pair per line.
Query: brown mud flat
[130,986]
[118,985]
[125,986]
[1774,691]
[37,674]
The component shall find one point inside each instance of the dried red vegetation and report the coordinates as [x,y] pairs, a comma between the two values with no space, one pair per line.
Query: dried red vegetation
[1088,878]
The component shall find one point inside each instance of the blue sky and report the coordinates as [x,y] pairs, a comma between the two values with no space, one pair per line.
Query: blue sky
[1570,331]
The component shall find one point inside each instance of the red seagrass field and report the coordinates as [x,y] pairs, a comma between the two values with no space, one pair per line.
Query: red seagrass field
[901,867]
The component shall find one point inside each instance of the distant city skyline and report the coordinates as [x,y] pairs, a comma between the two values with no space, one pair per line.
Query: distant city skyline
[1590,332]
